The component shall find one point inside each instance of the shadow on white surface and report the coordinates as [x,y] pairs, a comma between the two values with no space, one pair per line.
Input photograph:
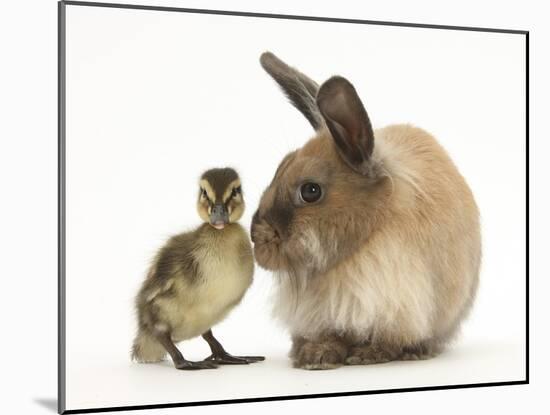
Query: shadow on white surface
[48,403]
[120,383]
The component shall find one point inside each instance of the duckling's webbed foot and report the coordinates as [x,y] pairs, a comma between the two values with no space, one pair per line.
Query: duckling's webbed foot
[188,365]
[221,357]
[179,361]
[227,359]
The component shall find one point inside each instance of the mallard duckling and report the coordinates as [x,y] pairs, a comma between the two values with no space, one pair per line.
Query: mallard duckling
[197,278]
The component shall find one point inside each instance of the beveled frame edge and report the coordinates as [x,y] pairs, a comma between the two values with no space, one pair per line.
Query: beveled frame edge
[61,134]
[61,205]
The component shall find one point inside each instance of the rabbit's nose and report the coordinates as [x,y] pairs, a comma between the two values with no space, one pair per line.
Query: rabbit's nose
[276,230]
[262,221]
[279,218]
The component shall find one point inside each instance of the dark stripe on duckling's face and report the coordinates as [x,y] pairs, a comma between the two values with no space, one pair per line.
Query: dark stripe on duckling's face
[219,180]
[220,199]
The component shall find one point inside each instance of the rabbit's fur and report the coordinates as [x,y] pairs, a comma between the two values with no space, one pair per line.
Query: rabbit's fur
[385,265]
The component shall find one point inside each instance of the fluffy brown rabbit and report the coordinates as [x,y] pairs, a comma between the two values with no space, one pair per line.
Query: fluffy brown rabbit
[373,235]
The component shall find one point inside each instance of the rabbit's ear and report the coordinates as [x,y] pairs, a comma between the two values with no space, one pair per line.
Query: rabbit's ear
[347,121]
[299,89]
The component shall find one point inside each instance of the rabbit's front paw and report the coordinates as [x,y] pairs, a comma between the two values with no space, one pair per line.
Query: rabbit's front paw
[369,354]
[421,351]
[324,355]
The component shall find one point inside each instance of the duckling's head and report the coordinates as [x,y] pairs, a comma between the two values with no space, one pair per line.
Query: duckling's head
[220,197]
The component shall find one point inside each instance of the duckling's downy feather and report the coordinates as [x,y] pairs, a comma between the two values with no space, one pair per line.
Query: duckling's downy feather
[194,281]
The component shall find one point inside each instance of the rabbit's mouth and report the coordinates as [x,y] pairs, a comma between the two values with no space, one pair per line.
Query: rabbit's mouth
[275,253]
[267,246]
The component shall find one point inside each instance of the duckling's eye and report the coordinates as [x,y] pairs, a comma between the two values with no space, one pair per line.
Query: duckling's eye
[235,191]
[203,193]
[310,192]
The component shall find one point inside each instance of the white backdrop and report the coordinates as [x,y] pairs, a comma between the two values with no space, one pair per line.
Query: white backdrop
[155,98]
[28,169]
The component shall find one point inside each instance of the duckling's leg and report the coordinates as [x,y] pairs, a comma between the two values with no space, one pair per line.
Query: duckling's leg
[179,361]
[220,356]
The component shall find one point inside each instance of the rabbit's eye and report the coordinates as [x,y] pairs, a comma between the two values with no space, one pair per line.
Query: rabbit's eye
[310,192]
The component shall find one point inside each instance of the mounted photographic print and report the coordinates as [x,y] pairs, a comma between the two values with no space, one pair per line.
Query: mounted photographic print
[258,207]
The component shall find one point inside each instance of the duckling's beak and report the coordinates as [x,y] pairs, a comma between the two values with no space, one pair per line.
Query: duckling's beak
[219,216]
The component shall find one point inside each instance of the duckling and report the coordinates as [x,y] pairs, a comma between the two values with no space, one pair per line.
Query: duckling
[197,278]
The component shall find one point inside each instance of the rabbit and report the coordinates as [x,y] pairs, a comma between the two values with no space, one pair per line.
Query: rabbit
[373,236]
